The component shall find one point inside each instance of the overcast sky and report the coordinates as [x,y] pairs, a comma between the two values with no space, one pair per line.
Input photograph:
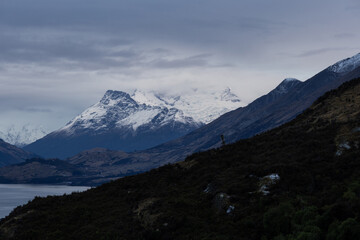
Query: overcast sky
[57,57]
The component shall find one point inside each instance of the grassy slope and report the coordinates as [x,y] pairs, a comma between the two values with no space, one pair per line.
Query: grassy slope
[317,197]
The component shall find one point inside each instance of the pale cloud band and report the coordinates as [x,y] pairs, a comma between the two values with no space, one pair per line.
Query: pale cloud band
[58,57]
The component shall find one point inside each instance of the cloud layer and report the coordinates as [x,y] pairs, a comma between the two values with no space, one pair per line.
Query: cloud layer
[59,57]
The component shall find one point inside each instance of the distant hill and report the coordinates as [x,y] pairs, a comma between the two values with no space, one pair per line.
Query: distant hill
[297,181]
[10,154]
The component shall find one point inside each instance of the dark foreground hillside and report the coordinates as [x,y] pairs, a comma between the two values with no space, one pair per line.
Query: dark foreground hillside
[299,181]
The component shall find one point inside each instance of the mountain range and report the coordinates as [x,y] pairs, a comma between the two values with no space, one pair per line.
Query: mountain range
[120,121]
[22,136]
[297,181]
[279,106]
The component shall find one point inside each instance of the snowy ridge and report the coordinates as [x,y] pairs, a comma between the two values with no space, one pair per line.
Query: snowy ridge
[285,85]
[346,65]
[121,110]
[21,136]
[288,80]
[202,106]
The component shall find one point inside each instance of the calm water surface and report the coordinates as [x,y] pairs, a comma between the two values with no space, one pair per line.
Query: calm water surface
[13,195]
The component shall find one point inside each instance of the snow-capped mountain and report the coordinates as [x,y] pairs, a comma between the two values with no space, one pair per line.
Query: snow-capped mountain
[286,85]
[21,136]
[346,65]
[202,106]
[119,109]
[135,121]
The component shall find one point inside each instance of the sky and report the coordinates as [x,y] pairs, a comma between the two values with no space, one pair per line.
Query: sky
[58,57]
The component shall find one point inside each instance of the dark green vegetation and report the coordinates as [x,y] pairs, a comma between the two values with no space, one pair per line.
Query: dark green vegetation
[228,193]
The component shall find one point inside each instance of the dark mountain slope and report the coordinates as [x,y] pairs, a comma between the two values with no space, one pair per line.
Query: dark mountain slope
[264,113]
[99,163]
[40,171]
[298,181]
[10,154]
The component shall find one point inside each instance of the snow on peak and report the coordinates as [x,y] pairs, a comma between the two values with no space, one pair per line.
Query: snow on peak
[117,97]
[113,95]
[286,85]
[287,80]
[227,95]
[119,109]
[346,65]
[201,105]
[148,98]
[21,136]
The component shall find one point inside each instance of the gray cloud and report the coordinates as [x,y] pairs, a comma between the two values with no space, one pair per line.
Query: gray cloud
[63,55]
[47,47]
[193,61]
[322,51]
[70,50]
[353,7]
[35,110]
[345,36]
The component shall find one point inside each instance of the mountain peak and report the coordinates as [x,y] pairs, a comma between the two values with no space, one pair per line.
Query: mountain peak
[202,105]
[288,80]
[142,106]
[114,94]
[346,65]
[286,85]
[22,135]
[227,95]
[112,97]
[136,121]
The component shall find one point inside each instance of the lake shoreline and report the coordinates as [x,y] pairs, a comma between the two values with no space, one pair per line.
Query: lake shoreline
[13,195]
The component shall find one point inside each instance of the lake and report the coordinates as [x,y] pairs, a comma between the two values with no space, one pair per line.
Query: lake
[13,195]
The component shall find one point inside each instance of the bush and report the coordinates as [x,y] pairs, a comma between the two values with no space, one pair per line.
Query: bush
[347,230]
[277,220]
